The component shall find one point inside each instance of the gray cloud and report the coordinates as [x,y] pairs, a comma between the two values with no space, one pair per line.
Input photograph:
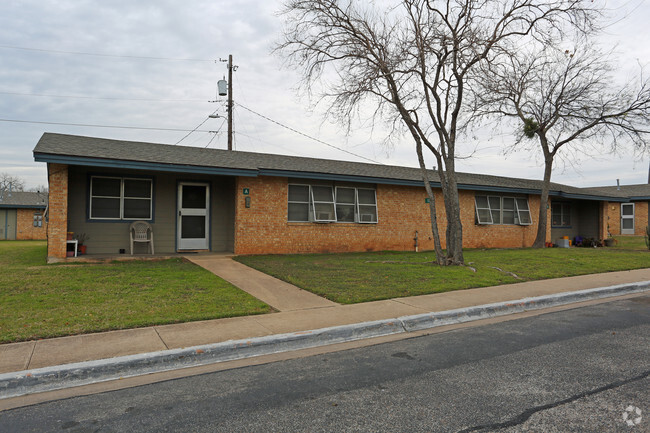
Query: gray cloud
[210,30]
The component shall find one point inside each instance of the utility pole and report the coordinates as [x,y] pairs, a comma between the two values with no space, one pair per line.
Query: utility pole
[230,102]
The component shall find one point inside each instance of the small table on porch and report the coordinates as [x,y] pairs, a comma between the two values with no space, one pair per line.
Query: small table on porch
[75,244]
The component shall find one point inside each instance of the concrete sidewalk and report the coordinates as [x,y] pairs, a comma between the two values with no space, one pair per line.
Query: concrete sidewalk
[298,311]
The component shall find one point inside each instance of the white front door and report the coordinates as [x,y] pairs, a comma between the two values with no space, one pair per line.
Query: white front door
[193,216]
[627,218]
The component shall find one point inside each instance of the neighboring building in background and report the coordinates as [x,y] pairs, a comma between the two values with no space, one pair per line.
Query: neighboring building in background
[22,215]
[254,203]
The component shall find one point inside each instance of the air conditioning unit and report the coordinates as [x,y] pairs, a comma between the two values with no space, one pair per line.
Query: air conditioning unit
[324,216]
[367,218]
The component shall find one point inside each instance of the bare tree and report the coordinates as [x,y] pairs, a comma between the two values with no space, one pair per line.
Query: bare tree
[39,188]
[9,182]
[411,60]
[566,98]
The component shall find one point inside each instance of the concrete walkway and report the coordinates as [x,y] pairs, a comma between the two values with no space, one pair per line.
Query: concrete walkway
[278,294]
[306,312]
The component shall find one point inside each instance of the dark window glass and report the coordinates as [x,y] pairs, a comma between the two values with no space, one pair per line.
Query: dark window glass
[298,212]
[105,208]
[366,196]
[193,227]
[345,213]
[106,187]
[345,195]
[137,209]
[322,193]
[299,193]
[193,197]
[137,188]
[627,210]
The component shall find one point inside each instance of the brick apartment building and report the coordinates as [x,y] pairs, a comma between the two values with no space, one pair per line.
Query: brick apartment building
[22,215]
[253,203]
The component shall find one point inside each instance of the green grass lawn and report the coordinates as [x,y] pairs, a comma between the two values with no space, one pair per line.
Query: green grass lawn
[360,277]
[42,301]
[630,243]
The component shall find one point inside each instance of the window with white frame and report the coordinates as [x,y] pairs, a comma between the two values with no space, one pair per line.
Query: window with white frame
[322,203]
[298,203]
[346,204]
[502,210]
[366,205]
[120,198]
[322,198]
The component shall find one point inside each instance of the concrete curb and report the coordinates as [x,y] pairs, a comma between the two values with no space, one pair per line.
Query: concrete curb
[70,375]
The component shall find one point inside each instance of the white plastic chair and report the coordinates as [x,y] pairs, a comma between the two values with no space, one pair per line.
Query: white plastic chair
[141,231]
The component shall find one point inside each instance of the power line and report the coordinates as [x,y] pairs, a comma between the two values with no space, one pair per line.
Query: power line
[79,53]
[197,127]
[103,98]
[308,136]
[101,126]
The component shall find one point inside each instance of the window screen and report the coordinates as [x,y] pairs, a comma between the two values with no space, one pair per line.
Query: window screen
[120,198]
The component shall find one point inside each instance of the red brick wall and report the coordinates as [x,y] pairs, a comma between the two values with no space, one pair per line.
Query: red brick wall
[640,217]
[25,229]
[263,228]
[58,210]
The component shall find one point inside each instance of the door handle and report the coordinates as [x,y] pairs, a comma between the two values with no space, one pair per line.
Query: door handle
[179,213]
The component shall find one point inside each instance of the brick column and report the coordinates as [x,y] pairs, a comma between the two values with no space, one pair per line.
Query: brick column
[57,227]
[604,217]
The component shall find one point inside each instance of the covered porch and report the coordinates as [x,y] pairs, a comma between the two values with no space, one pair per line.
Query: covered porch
[577,219]
[187,212]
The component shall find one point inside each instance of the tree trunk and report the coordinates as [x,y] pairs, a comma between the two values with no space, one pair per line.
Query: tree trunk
[437,245]
[454,225]
[540,239]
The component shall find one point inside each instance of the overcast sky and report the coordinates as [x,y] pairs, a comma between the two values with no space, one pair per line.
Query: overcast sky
[155,64]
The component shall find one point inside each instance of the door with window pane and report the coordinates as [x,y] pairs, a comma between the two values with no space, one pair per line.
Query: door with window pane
[627,218]
[193,216]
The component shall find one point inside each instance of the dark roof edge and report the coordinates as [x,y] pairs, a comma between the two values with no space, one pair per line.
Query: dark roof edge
[23,206]
[140,165]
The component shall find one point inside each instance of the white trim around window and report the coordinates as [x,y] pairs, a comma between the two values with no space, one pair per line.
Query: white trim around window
[120,198]
[326,204]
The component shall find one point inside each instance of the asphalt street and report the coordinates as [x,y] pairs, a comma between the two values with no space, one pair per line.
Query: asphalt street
[580,370]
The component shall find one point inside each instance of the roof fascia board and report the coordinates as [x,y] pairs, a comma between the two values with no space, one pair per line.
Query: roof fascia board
[587,197]
[468,187]
[640,198]
[140,165]
[340,177]
[22,206]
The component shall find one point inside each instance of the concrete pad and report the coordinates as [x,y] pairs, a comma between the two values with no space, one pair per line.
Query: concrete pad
[66,350]
[292,321]
[210,331]
[278,294]
[15,356]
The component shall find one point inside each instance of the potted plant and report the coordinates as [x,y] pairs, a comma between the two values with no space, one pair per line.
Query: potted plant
[81,238]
